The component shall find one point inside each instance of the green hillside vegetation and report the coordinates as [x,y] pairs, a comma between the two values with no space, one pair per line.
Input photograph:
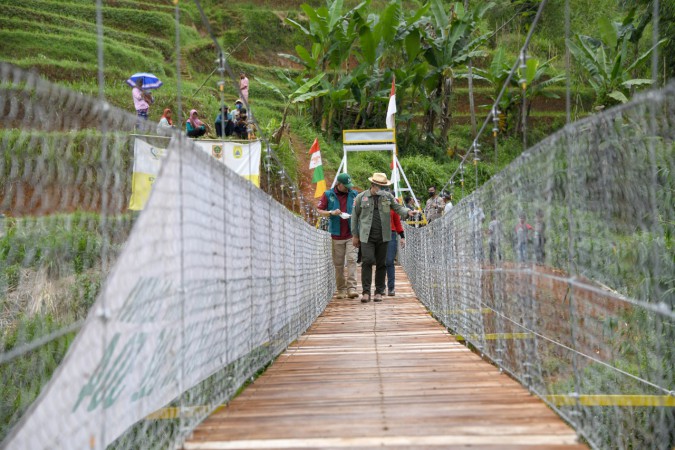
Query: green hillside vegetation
[59,40]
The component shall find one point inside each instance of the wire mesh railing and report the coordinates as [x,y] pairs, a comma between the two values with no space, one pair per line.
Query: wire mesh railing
[125,330]
[560,270]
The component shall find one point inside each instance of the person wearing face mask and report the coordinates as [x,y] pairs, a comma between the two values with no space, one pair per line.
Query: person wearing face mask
[371,230]
[237,110]
[435,205]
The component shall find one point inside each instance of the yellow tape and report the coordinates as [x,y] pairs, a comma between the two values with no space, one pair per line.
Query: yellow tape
[173,412]
[495,336]
[612,400]
[470,311]
[557,400]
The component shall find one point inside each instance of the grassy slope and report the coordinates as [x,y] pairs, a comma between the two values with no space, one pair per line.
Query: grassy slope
[58,38]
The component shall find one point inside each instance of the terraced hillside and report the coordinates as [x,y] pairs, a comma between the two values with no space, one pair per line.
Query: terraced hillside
[58,40]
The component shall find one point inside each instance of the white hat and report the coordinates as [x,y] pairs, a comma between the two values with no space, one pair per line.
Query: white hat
[379,179]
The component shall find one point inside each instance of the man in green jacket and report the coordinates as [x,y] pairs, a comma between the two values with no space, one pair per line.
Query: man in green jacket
[371,230]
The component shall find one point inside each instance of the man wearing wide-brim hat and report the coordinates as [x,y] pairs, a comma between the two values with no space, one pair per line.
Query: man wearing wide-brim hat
[371,229]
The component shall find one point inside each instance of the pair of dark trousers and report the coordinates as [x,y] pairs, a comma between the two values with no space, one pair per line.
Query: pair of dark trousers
[373,253]
[391,255]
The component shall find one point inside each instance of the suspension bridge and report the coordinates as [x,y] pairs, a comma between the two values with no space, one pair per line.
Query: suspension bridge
[207,320]
[572,339]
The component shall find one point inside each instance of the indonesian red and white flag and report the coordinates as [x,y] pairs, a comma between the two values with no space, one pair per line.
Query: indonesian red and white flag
[391,109]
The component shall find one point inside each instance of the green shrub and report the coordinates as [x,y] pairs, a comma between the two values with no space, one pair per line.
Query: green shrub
[22,379]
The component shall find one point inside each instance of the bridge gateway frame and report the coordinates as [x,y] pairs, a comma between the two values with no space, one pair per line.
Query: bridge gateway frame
[378,139]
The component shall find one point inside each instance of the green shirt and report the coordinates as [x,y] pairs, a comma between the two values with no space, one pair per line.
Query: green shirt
[362,214]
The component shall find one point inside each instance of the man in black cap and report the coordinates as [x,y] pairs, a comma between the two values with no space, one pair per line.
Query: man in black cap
[337,204]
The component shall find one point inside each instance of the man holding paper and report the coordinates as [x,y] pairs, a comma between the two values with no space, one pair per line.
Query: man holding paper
[337,204]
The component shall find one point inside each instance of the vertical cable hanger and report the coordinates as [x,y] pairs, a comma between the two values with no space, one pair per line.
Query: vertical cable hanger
[523,85]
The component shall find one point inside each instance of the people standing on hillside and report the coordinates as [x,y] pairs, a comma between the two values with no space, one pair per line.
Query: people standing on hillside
[539,237]
[337,204]
[392,248]
[435,205]
[194,127]
[237,110]
[165,123]
[223,123]
[240,129]
[371,229]
[494,238]
[523,230]
[243,86]
[142,101]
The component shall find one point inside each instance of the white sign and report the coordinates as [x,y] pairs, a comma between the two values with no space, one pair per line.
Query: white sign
[242,157]
[147,162]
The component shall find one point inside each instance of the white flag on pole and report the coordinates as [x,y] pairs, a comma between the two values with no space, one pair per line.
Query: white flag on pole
[391,109]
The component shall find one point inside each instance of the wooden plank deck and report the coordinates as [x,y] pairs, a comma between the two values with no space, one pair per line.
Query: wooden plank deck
[382,375]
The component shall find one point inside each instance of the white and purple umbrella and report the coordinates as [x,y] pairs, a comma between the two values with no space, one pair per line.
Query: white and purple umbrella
[150,81]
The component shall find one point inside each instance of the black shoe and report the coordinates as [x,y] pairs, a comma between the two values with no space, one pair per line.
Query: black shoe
[365,297]
[391,293]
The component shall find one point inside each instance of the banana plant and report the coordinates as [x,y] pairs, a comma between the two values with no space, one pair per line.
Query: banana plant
[605,60]
[538,77]
[301,91]
[377,43]
[496,74]
[332,33]
[448,44]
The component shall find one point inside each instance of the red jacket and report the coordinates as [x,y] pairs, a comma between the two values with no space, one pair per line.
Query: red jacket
[395,222]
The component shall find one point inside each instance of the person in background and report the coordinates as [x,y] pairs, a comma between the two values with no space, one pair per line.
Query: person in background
[241,125]
[337,204]
[523,230]
[237,110]
[435,205]
[392,248]
[539,237]
[476,219]
[165,122]
[409,202]
[228,129]
[494,238]
[371,229]
[142,101]
[243,86]
[447,197]
[194,127]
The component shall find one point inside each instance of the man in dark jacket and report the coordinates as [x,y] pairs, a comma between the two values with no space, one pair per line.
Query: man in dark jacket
[371,227]
[337,204]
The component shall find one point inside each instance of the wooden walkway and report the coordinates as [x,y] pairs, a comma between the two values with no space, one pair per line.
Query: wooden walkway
[382,375]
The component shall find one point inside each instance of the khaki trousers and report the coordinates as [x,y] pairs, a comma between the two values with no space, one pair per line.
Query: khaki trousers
[344,249]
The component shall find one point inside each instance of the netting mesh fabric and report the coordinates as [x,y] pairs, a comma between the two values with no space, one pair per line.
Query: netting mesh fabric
[560,270]
[111,315]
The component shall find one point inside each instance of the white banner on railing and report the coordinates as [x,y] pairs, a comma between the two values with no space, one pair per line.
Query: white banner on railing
[242,157]
[147,162]
[192,292]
